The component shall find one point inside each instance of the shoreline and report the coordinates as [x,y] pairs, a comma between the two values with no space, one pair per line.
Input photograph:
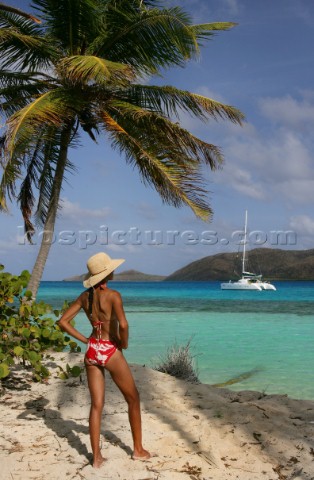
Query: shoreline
[197,431]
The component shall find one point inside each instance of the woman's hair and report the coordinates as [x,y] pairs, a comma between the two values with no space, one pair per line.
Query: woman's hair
[90,301]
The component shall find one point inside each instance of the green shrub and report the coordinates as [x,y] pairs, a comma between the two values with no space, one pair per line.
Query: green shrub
[178,362]
[27,329]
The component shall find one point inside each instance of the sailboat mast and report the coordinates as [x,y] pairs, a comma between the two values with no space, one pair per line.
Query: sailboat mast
[244,242]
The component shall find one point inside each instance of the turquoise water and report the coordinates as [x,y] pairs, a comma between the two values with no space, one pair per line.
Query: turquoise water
[271,333]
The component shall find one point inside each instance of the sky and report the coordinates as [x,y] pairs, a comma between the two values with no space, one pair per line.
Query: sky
[265,67]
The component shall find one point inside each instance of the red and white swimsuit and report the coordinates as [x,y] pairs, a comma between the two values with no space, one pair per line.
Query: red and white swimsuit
[99,351]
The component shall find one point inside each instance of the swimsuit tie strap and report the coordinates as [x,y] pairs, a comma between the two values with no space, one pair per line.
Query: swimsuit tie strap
[97,325]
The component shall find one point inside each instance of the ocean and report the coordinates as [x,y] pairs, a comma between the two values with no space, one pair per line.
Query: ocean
[269,333]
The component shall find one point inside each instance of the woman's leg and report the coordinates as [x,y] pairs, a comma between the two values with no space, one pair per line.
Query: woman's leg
[122,376]
[96,385]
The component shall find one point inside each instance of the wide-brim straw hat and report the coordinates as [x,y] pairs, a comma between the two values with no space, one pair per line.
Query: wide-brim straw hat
[99,267]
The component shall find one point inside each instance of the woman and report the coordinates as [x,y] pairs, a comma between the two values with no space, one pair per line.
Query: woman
[104,309]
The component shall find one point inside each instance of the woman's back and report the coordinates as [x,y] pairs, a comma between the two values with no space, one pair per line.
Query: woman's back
[102,310]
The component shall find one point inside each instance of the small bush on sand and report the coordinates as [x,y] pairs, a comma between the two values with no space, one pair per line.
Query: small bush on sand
[179,362]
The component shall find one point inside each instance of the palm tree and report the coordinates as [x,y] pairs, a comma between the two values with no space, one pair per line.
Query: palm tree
[82,70]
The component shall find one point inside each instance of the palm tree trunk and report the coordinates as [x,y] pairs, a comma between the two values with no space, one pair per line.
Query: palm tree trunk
[47,237]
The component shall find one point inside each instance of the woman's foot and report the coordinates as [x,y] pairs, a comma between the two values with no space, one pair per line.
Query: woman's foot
[98,461]
[141,455]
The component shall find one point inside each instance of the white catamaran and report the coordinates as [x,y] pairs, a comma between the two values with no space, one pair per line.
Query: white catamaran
[248,281]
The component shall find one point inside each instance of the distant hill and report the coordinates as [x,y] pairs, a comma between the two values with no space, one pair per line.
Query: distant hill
[127,276]
[135,276]
[272,263]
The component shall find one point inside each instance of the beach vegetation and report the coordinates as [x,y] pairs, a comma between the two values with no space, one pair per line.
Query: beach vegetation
[68,372]
[178,362]
[28,330]
[82,71]
[218,415]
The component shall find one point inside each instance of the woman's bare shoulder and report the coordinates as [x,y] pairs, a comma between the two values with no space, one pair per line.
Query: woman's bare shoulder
[82,297]
[114,293]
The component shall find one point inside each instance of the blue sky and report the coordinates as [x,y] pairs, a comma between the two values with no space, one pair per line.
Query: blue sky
[265,67]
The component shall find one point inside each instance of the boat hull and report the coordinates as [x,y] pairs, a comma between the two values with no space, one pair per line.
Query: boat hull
[267,286]
[240,285]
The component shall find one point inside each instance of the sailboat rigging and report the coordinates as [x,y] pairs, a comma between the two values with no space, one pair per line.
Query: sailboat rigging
[248,280]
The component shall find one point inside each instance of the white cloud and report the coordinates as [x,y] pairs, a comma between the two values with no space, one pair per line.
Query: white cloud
[241,180]
[16,243]
[6,245]
[297,191]
[302,224]
[281,157]
[73,211]
[288,111]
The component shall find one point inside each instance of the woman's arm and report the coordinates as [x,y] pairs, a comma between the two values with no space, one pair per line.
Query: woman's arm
[67,317]
[122,321]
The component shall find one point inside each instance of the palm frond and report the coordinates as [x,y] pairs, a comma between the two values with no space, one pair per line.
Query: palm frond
[173,101]
[21,51]
[216,109]
[176,182]
[50,109]
[73,22]
[20,23]
[206,30]
[161,133]
[45,185]
[29,41]
[40,169]
[153,39]
[16,97]
[17,77]
[88,69]
[11,172]
[26,197]
[17,11]
[24,45]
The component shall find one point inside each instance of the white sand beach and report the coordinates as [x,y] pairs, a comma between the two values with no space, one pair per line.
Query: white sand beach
[197,431]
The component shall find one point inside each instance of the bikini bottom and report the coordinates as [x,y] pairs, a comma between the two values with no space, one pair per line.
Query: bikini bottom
[99,351]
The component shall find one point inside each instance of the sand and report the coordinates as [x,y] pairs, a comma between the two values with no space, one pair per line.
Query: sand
[197,431]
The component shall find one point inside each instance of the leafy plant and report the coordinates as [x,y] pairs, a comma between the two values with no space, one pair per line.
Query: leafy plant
[27,329]
[69,371]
